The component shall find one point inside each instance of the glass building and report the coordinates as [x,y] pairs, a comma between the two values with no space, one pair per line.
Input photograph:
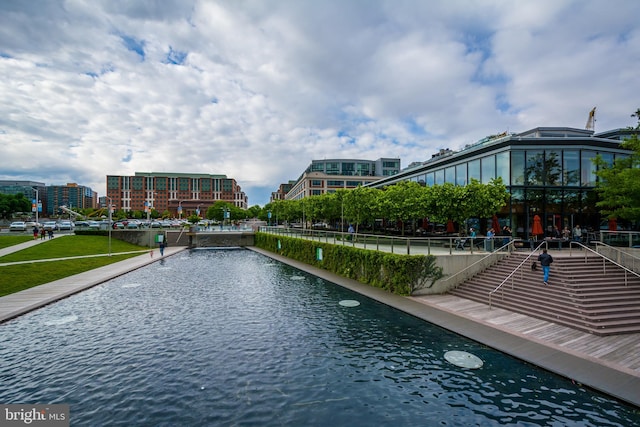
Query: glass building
[548,171]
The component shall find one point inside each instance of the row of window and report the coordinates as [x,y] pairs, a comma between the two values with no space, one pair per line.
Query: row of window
[335,183]
[555,167]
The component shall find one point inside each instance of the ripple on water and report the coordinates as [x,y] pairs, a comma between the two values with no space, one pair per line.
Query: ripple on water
[61,320]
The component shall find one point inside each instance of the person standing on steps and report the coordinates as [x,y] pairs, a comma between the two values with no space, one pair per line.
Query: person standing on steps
[545,261]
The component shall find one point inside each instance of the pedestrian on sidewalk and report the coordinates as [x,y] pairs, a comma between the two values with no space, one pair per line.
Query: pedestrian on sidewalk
[162,248]
[545,261]
[35,232]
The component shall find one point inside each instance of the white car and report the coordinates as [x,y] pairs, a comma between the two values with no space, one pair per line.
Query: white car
[18,226]
[50,225]
[66,225]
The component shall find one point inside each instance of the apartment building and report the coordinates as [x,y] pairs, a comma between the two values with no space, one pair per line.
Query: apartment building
[181,194]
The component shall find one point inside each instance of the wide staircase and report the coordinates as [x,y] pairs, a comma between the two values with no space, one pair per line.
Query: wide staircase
[584,293]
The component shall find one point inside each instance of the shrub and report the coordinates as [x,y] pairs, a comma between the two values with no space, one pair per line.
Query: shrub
[399,274]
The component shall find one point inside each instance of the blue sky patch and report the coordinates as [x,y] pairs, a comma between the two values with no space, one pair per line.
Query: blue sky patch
[133,45]
[175,57]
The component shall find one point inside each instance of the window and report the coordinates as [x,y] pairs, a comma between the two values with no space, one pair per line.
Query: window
[461,174]
[517,167]
[588,169]
[488,169]
[430,179]
[335,183]
[534,169]
[316,183]
[333,168]
[348,169]
[317,167]
[474,170]
[353,183]
[571,168]
[450,175]
[553,167]
[503,169]
[363,169]
[389,164]
[440,177]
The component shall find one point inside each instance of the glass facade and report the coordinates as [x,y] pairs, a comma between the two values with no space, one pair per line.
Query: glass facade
[548,172]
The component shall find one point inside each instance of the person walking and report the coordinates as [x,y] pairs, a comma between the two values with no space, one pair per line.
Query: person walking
[162,248]
[545,261]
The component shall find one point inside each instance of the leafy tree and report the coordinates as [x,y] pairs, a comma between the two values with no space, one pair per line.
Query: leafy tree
[12,203]
[216,211]
[618,184]
[360,205]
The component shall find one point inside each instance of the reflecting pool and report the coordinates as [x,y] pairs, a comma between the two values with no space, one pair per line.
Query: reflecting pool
[230,337]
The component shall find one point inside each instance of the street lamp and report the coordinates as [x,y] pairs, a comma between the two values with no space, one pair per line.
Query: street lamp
[149,204]
[110,225]
[37,203]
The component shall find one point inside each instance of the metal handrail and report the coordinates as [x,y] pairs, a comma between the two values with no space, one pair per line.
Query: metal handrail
[498,252]
[510,276]
[604,261]
[401,243]
[619,253]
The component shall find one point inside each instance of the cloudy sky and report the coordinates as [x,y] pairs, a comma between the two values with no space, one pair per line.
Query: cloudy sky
[256,89]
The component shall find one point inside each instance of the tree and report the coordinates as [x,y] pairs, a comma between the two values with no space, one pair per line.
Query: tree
[618,185]
[360,205]
[12,203]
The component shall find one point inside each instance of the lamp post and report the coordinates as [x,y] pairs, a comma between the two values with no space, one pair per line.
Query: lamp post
[149,204]
[110,225]
[37,203]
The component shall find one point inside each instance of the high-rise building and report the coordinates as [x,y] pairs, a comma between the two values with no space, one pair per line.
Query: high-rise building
[70,196]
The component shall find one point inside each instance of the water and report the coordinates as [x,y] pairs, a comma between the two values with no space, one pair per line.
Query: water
[225,338]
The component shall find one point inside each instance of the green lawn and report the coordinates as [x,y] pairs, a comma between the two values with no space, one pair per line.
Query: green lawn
[14,278]
[10,240]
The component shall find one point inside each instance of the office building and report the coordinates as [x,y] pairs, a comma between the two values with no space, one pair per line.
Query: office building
[327,176]
[179,194]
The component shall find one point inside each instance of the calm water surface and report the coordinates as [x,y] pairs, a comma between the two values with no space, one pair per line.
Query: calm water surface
[225,338]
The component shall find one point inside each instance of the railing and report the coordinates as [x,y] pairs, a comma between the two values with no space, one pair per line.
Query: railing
[394,244]
[627,239]
[512,274]
[490,259]
[604,261]
[621,256]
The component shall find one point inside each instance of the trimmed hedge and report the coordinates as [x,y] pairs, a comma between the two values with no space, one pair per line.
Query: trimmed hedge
[399,274]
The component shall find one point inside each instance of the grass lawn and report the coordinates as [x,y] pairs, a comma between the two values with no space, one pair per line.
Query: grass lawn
[10,240]
[14,278]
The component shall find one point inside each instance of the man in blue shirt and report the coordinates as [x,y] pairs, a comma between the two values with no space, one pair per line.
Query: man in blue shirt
[545,261]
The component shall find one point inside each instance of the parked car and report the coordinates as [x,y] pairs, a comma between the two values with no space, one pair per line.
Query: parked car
[31,224]
[50,225]
[18,226]
[66,225]
[133,224]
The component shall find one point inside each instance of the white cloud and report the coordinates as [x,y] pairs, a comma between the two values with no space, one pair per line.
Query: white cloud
[257,89]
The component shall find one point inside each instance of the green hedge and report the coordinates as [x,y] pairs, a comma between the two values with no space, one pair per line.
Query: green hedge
[399,274]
